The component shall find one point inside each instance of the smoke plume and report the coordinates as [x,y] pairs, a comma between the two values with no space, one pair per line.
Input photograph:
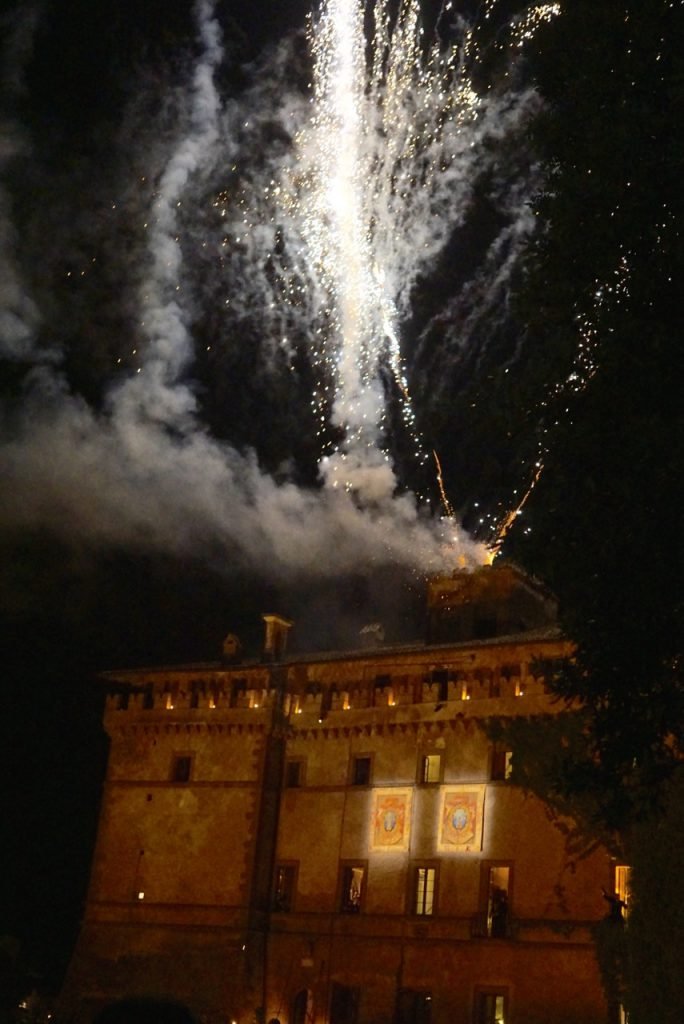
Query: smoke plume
[228,273]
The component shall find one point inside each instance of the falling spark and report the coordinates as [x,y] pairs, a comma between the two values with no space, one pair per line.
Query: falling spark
[494,547]
[325,231]
[381,172]
[383,132]
[446,504]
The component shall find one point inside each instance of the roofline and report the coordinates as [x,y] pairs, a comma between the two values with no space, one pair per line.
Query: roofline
[547,633]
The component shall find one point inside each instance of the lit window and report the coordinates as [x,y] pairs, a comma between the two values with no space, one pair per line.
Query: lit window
[490,1007]
[466,691]
[425,884]
[498,881]
[430,768]
[622,872]
[352,888]
[502,765]
[621,889]
[292,704]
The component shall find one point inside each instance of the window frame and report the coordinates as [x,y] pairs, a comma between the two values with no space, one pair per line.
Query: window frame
[347,998]
[178,758]
[485,896]
[441,677]
[344,904]
[415,868]
[501,765]
[480,993]
[423,757]
[289,782]
[621,889]
[413,1006]
[292,867]
[354,761]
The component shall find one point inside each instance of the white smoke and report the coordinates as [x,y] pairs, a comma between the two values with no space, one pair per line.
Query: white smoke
[19,317]
[143,471]
[124,481]
[19,314]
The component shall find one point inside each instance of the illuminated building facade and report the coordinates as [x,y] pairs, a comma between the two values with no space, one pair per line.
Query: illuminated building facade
[332,839]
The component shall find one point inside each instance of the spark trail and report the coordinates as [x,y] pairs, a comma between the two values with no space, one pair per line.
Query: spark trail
[321,236]
[382,172]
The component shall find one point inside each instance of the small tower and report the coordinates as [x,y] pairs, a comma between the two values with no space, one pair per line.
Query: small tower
[491,601]
[275,638]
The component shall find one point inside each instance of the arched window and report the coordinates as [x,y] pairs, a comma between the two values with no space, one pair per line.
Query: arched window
[302,1007]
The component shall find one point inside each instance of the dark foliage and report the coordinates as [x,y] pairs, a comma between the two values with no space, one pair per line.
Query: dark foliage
[602,296]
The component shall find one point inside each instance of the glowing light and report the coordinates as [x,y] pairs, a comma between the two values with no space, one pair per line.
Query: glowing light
[385,151]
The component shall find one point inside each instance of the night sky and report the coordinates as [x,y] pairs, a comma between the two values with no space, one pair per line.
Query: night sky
[143,536]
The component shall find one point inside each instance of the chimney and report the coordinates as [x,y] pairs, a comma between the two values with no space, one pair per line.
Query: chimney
[372,635]
[232,649]
[275,639]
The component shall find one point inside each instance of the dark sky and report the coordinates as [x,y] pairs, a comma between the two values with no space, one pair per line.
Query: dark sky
[142,536]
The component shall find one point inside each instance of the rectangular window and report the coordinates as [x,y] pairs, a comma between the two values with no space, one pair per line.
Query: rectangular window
[498,886]
[344,1004]
[413,1007]
[430,768]
[361,770]
[181,768]
[440,678]
[294,774]
[238,689]
[502,765]
[285,887]
[352,888]
[382,691]
[425,890]
[621,889]
[491,1007]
